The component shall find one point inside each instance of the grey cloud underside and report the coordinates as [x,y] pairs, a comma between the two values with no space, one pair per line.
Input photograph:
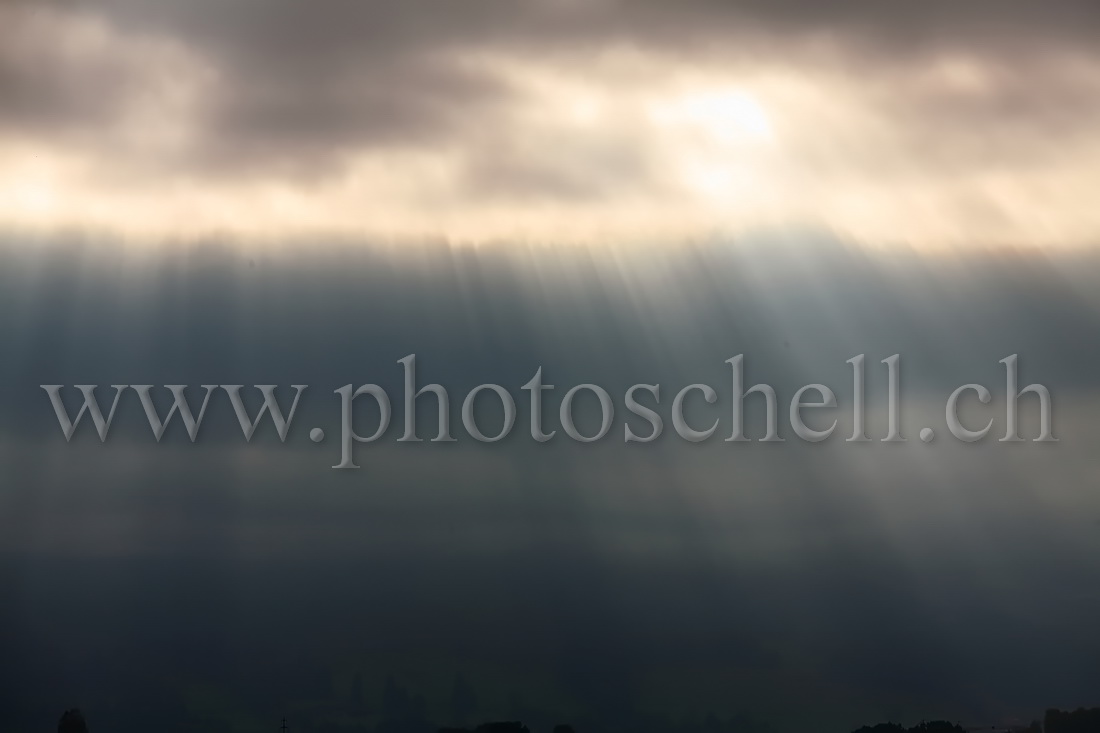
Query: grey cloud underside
[294,29]
[43,89]
[297,89]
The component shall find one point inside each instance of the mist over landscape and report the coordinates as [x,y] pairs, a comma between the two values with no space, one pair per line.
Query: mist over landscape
[832,582]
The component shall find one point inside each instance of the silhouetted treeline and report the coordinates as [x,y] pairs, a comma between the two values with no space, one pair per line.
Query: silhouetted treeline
[511,726]
[934,726]
[709,724]
[404,714]
[1080,720]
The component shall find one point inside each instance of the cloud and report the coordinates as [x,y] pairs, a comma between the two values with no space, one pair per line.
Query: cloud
[295,82]
[67,71]
[500,120]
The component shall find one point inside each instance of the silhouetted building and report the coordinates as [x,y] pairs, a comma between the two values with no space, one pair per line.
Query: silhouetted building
[1080,720]
[72,721]
[463,700]
[511,726]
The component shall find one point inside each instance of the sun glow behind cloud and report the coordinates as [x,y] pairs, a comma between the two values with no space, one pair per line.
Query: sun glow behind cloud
[721,135]
[628,144]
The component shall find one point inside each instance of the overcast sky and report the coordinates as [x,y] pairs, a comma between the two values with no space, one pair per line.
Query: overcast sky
[265,192]
[936,123]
